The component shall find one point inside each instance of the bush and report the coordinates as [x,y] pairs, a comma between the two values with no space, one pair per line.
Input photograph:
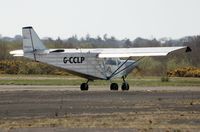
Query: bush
[149,66]
[28,67]
[185,72]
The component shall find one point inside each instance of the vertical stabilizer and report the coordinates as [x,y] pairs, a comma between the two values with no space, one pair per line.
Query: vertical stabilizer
[31,41]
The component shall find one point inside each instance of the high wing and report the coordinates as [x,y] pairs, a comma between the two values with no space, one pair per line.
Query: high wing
[113,52]
[138,52]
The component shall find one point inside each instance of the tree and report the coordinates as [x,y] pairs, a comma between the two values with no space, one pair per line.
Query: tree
[4,50]
[128,43]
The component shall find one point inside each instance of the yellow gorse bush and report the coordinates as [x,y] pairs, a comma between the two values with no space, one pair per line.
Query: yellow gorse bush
[28,67]
[185,72]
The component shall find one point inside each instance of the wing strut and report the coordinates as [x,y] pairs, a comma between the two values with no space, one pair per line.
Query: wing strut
[117,72]
[113,74]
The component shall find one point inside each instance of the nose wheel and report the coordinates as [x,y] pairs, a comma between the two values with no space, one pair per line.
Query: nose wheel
[125,85]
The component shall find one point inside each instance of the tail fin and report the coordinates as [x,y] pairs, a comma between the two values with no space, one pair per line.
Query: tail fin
[31,41]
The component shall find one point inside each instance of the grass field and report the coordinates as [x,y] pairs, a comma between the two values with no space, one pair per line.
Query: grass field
[143,121]
[73,80]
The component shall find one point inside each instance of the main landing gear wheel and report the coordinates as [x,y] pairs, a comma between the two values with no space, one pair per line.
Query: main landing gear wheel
[114,86]
[84,87]
[125,86]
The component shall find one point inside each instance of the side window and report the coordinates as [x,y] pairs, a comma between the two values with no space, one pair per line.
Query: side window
[111,62]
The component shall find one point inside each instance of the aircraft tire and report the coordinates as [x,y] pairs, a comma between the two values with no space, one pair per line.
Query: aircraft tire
[114,86]
[125,86]
[84,87]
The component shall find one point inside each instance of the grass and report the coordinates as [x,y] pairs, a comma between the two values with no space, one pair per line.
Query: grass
[140,120]
[72,80]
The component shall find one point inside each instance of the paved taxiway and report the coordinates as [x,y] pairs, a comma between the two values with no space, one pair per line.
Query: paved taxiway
[161,107]
[45,101]
[92,88]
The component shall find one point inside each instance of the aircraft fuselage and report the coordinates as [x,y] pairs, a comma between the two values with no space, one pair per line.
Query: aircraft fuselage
[86,65]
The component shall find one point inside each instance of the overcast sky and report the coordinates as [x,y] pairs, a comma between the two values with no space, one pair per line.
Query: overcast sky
[119,18]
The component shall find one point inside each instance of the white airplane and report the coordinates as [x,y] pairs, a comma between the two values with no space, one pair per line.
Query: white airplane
[92,64]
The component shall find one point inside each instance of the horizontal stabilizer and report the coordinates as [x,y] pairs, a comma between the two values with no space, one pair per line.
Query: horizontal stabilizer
[17,53]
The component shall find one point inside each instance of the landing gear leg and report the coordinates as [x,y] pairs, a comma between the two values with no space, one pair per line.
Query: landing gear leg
[125,85]
[84,86]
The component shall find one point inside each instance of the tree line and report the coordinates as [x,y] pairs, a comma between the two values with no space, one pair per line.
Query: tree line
[155,64]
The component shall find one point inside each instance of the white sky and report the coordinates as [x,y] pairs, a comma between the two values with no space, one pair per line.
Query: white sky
[119,18]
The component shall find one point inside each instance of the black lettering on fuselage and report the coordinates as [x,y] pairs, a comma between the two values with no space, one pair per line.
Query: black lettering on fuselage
[73,60]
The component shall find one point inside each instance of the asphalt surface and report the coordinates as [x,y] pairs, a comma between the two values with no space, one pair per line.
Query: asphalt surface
[50,103]
[18,102]
[92,88]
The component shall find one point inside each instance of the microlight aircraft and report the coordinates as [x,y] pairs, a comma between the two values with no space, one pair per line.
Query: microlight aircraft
[91,64]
